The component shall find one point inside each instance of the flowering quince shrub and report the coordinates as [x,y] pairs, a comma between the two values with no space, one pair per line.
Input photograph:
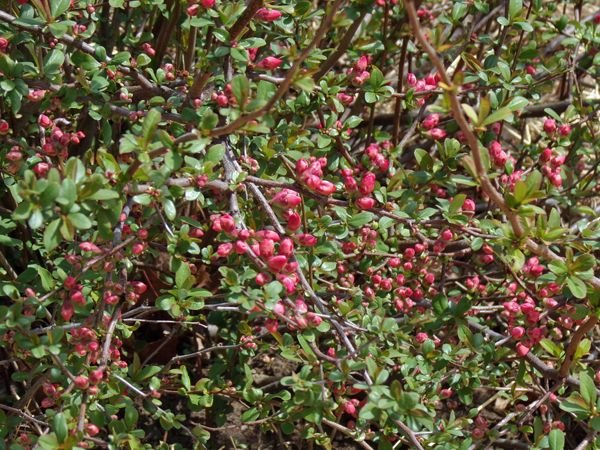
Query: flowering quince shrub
[342,224]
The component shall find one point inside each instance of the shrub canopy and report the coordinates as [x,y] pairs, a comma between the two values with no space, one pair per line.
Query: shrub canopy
[337,224]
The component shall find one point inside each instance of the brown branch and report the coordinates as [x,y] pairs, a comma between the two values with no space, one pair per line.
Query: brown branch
[410,435]
[346,432]
[576,338]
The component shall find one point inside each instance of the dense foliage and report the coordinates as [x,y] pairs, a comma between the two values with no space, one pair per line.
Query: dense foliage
[327,224]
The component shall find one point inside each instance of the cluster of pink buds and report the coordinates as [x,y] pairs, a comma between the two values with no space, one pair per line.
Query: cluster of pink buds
[474,284]
[135,290]
[297,316]
[248,342]
[36,95]
[533,268]
[169,71]
[345,99]
[481,427]
[364,189]
[268,15]
[79,28]
[223,98]
[499,156]
[52,391]
[425,14]
[375,154]
[553,165]
[84,341]
[358,73]
[277,253]
[511,180]
[430,123]
[311,173]
[148,49]
[59,140]
[428,83]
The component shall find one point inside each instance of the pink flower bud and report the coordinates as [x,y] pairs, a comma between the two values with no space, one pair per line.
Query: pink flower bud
[276,263]
[224,249]
[193,10]
[286,247]
[468,205]
[288,282]
[44,121]
[522,350]
[81,382]
[207,3]
[267,247]
[91,429]
[447,235]
[437,134]
[293,221]
[67,310]
[517,333]
[345,99]
[269,63]
[4,127]
[301,306]
[90,247]
[431,121]
[271,325]
[77,297]
[326,188]
[267,15]
[365,203]
[411,79]
[564,130]
[367,184]
[549,126]
[138,248]
[287,198]
[307,240]
[261,279]
[41,169]
[240,247]
[546,155]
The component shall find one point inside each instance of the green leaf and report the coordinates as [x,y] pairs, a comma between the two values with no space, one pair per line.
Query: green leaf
[556,439]
[360,219]
[60,427]
[209,120]
[182,275]
[151,121]
[240,88]
[80,221]
[497,116]
[514,8]
[52,235]
[53,62]
[215,153]
[36,219]
[58,7]
[517,103]
[169,209]
[587,388]
[577,287]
